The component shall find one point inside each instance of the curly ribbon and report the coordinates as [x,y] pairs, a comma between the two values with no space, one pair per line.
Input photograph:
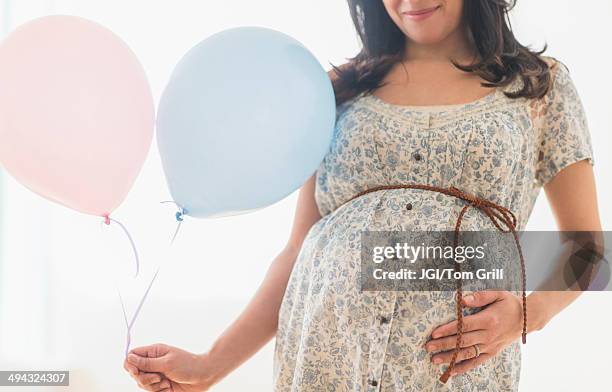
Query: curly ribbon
[107,221]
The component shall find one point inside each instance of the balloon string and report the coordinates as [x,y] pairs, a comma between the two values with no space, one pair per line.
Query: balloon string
[130,324]
[108,220]
[178,226]
[179,218]
[127,324]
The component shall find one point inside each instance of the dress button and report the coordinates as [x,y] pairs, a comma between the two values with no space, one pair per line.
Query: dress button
[373,382]
[417,157]
[409,206]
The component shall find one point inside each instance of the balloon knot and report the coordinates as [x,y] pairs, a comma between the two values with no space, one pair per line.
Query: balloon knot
[179,215]
[106,219]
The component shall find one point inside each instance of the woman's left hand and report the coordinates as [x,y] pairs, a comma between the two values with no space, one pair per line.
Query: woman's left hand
[493,328]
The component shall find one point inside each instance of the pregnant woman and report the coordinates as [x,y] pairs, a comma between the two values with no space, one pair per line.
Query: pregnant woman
[441,95]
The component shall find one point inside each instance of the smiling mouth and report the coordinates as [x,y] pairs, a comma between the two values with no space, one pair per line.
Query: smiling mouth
[421,14]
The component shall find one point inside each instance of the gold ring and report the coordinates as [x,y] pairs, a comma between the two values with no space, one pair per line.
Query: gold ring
[477,349]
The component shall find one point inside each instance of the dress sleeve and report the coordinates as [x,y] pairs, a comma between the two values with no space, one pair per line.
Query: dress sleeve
[565,136]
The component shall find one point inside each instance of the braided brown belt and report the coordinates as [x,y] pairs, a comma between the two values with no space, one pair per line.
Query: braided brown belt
[499,216]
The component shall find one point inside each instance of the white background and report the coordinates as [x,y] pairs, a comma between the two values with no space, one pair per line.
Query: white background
[59,270]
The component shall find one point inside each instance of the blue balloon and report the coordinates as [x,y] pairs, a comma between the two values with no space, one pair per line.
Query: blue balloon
[245,120]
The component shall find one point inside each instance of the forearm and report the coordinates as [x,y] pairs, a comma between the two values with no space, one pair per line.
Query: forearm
[256,325]
[573,200]
[542,306]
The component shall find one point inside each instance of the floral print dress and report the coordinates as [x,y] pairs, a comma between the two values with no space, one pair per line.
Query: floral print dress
[334,337]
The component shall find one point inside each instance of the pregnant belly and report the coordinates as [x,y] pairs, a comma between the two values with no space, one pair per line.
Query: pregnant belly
[328,268]
[325,316]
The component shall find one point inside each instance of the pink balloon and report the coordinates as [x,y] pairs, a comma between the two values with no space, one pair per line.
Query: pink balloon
[76,112]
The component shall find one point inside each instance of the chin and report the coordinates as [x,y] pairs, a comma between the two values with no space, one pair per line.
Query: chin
[426,36]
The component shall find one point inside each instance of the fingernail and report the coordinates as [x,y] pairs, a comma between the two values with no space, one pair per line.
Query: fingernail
[468,298]
[132,359]
[437,360]
[431,347]
[453,373]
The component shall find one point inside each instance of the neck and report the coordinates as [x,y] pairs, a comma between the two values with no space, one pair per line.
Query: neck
[455,46]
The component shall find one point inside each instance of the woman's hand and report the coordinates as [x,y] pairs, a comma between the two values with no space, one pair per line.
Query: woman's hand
[494,328]
[164,368]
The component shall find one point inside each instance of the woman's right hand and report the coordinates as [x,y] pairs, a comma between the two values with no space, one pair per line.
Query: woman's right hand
[169,369]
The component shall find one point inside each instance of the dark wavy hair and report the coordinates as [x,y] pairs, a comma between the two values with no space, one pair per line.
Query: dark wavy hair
[502,57]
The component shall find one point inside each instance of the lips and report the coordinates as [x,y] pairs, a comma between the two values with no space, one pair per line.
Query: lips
[421,14]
